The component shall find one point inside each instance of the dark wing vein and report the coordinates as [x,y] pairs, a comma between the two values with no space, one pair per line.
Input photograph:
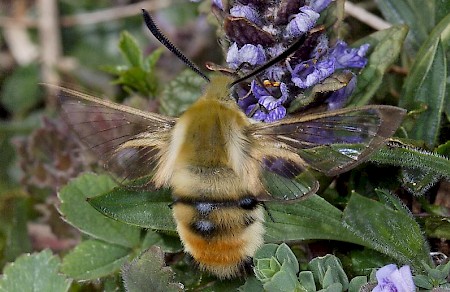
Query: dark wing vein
[105,127]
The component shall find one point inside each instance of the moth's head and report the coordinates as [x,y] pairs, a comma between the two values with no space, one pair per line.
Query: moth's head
[219,87]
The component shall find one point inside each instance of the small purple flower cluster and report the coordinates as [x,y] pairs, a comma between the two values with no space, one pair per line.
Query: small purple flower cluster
[392,279]
[261,30]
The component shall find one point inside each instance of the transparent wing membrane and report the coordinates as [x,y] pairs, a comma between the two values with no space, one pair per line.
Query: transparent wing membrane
[286,181]
[125,139]
[331,142]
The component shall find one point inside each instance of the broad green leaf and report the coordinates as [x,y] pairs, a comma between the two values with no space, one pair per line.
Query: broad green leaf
[181,92]
[385,47]
[356,283]
[327,271]
[147,209]
[418,15]
[362,262]
[417,181]
[313,218]
[20,91]
[135,78]
[35,272]
[150,60]
[130,49]
[442,9]
[306,279]
[148,272]
[77,211]
[167,243]
[283,281]
[285,256]
[92,259]
[391,232]
[437,226]
[399,154]
[252,284]
[425,86]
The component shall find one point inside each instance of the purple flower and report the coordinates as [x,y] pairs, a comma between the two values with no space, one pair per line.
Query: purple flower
[309,73]
[391,279]
[338,98]
[322,47]
[319,5]
[246,11]
[253,55]
[218,3]
[302,22]
[266,108]
[349,57]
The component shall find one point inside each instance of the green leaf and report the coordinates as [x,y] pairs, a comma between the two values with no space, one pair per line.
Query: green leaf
[356,283]
[418,15]
[181,92]
[284,280]
[148,272]
[423,282]
[306,279]
[92,259]
[77,211]
[130,49]
[336,287]
[385,48]
[252,284]
[14,215]
[167,243]
[442,9]
[417,181]
[36,272]
[362,262]
[437,226]
[20,91]
[313,218]
[151,60]
[147,209]
[405,156]
[286,257]
[425,86]
[135,78]
[391,232]
[328,271]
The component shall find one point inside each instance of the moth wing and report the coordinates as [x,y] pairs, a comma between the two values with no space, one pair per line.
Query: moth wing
[331,142]
[125,139]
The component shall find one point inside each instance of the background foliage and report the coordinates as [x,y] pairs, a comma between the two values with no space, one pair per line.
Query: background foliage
[394,208]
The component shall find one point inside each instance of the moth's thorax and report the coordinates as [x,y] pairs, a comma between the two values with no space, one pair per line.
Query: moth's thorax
[210,152]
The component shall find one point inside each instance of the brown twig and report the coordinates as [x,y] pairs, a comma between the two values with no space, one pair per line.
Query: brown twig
[50,45]
[103,15]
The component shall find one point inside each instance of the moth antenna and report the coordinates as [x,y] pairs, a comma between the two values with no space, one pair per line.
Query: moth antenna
[169,45]
[294,47]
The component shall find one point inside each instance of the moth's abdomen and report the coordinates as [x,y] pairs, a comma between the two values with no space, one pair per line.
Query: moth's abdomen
[221,236]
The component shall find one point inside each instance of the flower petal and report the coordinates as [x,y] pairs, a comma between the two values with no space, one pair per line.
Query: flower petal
[349,57]
[302,22]
[274,115]
[233,56]
[246,11]
[319,5]
[312,74]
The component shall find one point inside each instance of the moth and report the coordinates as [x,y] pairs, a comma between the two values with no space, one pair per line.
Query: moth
[221,165]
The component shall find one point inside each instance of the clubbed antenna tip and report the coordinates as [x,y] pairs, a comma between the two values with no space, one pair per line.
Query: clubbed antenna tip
[171,47]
